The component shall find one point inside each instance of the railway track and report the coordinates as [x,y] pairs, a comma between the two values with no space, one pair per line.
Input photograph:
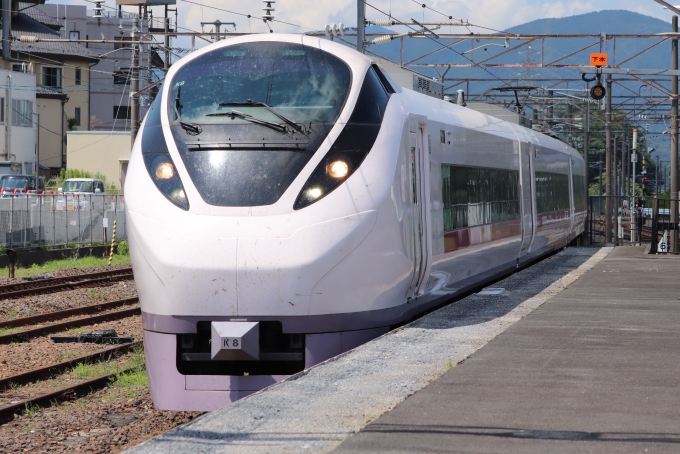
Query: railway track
[54,371]
[68,393]
[59,284]
[25,335]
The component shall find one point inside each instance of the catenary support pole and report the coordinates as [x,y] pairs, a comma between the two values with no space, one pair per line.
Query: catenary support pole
[608,163]
[674,141]
[166,29]
[361,25]
[134,85]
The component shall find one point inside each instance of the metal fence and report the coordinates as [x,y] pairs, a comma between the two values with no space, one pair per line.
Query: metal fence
[39,220]
[630,220]
[637,221]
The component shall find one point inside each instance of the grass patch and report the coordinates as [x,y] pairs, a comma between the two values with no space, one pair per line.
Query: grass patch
[449,365]
[135,379]
[4,331]
[30,410]
[75,329]
[97,295]
[67,263]
[13,386]
[89,371]
[68,355]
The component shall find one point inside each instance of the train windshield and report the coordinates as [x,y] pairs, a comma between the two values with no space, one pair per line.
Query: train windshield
[264,80]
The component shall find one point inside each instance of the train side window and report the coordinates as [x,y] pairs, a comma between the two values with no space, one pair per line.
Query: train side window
[383,79]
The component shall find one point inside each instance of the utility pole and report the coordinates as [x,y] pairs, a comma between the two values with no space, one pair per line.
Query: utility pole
[586,146]
[166,29]
[6,27]
[134,84]
[633,228]
[608,163]
[674,139]
[361,25]
[656,175]
[615,188]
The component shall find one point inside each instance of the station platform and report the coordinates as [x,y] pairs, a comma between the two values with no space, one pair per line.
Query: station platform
[594,369]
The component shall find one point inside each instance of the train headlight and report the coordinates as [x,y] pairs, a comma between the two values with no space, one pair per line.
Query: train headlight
[159,163]
[165,171]
[164,175]
[332,171]
[337,169]
[314,193]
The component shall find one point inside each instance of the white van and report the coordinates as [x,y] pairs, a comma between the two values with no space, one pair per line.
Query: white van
[88,192]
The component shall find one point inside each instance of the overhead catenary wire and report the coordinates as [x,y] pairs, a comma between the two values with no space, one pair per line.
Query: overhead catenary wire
[439,43]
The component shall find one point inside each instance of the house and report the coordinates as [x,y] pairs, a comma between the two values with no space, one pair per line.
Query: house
[110,76]
[18,128]
[62,74]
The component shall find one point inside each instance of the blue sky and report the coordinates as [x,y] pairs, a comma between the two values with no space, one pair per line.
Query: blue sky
[314,14]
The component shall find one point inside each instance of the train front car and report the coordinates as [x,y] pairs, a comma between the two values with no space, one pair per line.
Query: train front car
[263,215]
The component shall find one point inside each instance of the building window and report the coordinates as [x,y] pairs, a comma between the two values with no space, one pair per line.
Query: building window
[51,77]
[125,42]
[77,117]
[20,67]
[78,76]
[122,113]
[2,110]
[22,111]
[122,76]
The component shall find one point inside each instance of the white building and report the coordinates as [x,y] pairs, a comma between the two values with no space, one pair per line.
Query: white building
[18,123]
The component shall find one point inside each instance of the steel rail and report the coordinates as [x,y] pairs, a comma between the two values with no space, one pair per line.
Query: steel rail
[50,316]
[23,336]
[45,400]
[59,368]
[57,284]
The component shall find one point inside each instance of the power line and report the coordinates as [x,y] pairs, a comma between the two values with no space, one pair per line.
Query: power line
[245,15]
[437,41]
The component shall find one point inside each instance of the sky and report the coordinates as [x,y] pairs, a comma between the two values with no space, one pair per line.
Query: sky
[315,14]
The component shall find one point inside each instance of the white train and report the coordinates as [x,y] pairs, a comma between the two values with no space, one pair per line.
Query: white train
[287,201]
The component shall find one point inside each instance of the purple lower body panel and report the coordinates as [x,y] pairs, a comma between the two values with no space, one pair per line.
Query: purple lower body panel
[171,390]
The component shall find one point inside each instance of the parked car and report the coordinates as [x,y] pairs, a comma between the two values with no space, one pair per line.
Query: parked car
[84,186]
[17,184]
[82,190]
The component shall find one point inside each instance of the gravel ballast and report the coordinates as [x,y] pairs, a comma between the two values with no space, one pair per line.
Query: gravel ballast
[317,409]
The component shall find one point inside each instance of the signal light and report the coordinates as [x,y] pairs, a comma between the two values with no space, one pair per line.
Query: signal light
[644,182]
[598,91]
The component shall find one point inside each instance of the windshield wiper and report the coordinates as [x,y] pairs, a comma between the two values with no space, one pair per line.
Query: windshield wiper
[250,102]
[191,129]
[236,113]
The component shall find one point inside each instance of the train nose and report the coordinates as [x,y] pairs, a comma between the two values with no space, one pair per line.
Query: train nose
[200,274]
[276,275]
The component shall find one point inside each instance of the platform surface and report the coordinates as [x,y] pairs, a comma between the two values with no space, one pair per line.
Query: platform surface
[594,369]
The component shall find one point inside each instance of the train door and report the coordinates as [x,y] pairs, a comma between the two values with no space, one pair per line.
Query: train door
[526,197]
[572,211]
[416,219]
[420,210]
